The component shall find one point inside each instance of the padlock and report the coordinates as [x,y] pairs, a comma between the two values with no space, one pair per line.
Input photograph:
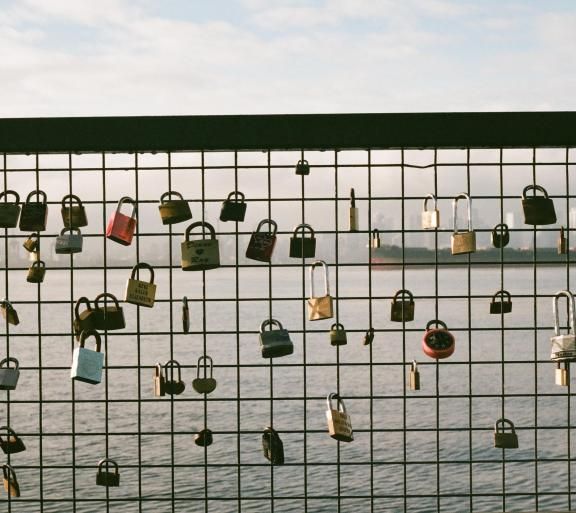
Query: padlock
[303,168]
[562,373]
[87,364]
[206,384]
[85,320]
[73,216]
[502,439]
[68,243]
[159,380]
[261,245]
[564,345]
[501,302]
[203,438]
[105,478]
[121,227]
[538,210]
[338,335]
[32,243]
[275,342]
[430,218]
[562,243]
[300,245]
[11,485]
[140,292]
[339,425]
[233,209]
[202,254]
[353,214]
[463,242]
[34,213]
[402,310]
[185,315]
[174,210]
[12,443]
[9,211]
[319,307]
[272,446]
[438,342]
[173,386]
[9,313]
[368,337]
[500,236]
[36,272]
[414,376]
[9,375]
[108,317]
[375,243]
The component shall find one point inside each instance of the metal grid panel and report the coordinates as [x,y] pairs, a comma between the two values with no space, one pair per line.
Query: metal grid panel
[429,450]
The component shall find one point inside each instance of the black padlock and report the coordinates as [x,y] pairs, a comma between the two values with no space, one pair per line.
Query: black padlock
[73,216]
[105,478]
[34,213]
[173,386]
[12,443]
[233,209]
[402,310]
[500,236]
[203,438]
[9,211]
[368,337]
[538,210]
[272,446]
[501,302]
[301,246]
[302,168]
[108,317]
[36,272]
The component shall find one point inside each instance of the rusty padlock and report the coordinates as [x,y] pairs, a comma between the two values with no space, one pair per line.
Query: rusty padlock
[73,216]
[32,243]
[438,342]
[121,227]
[34,213]
[9,313]
[36,272]
[261,245]
[85,320]
[174,210]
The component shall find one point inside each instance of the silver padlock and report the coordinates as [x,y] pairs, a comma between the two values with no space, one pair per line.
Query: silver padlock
[430,218]
[9,375]
[462,242]
[87,364]
[339,424]
[564,345]
[68,243]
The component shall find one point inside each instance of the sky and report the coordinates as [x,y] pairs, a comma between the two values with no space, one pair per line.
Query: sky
[186,57]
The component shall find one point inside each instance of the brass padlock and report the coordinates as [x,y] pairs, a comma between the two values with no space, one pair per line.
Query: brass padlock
[414,376]
[261,244]
[303,168]
[233,209]
[9,313]
[138,292]
[185,315]
[300,245]
[338,335]
[438,342]
[562,242]
[32,243]
[375,239]
[500,235]
[203,438]
[36,272]
[339,425]
[85,320]
[502,439]
[463,242]
[274,342]
[319,307]
[174,210]
[562,373]
[12,444]
[368,336]
[108,317]
[106,478]
[68,243]
[430,218]
[9,211]
[34,213]
[402,310]
[173,386]
[9,375]
[121,227]
[272,446]
[353,214]
[501,302]
[11,485]
[73,216]
[159,380]
[206,384]
[538,210]
[202,254]
[87,364]
[564,345]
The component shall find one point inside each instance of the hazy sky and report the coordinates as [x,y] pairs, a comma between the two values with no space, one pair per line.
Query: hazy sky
[133,57]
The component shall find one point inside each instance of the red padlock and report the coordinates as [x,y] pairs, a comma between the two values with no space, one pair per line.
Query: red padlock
[438,342]
[121,227]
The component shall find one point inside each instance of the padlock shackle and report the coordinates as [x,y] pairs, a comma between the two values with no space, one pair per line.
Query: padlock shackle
[236,194]
[4,194]
[71,230]
[9,474]
[337,325]
[108,462]
[91,333]
[430,196]
[6,304]
[171,364]
[38,193]
[501,294]
[535,188]
[7,362]
[571,312]
[403,293]
[38,263]
[303,228]
[71,199]
[437,322]
[303,162]
[273,226]
[502,228]
[326,281]
[105,295]
[460,196]
[9,432]
[270,322]
[205,226]
[339,402]
[158,369]
[501,424]
[376,234]
[127,199]
[414,366]
[81,300]
[204,359]
[167,194]
[352,198]
[142,265]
